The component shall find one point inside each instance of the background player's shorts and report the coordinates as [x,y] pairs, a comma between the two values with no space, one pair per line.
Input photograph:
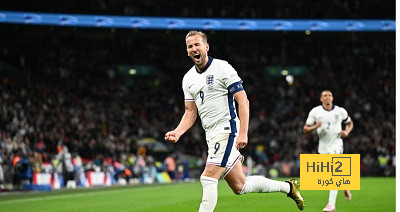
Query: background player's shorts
[222,151]
[338,151]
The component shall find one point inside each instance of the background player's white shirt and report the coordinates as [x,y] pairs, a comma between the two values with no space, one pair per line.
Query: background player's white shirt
[331,126]
[209,90]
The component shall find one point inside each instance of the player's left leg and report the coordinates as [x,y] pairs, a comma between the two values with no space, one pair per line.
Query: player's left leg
[347,195]
[236,178]
[239,184]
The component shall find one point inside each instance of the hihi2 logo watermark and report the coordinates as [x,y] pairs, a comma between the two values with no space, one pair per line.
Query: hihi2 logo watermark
[330,171]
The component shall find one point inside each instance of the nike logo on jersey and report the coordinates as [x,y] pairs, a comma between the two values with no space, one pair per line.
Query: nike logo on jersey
[191,86]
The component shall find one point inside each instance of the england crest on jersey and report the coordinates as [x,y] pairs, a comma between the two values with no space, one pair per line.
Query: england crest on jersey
[210,81]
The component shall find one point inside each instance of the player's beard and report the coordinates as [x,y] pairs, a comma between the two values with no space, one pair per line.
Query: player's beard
[201,61]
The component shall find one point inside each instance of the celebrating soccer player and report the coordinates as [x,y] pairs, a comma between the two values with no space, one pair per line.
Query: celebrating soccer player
[211,88]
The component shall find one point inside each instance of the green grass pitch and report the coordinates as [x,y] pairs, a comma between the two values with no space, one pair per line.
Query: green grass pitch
[376,194]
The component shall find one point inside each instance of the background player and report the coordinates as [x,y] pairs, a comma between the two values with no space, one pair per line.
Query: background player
[327,119]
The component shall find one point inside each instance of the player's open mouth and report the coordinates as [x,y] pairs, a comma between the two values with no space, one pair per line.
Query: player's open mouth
[197,56]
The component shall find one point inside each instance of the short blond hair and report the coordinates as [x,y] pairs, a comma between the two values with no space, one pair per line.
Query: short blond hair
[194,32]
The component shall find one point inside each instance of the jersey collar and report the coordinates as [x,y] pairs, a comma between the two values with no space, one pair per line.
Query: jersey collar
[333,107]
[210,59]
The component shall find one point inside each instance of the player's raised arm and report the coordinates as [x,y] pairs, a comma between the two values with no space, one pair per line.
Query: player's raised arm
[187,121]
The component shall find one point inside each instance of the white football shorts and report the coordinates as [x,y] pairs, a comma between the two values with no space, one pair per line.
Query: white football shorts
[222,152]
[338,151]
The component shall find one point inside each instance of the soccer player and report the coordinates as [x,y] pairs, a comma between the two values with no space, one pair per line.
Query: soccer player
[211,88]
[327,119]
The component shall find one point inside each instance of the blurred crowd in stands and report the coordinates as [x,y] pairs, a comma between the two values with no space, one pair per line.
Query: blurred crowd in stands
[324,9]
[65,103]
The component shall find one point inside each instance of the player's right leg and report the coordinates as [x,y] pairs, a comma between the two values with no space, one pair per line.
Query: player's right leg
[216,165]
[330,207]
[209,181]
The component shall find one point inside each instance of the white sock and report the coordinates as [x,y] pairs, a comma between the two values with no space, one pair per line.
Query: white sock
[210,194]
[260,184]
[332,197]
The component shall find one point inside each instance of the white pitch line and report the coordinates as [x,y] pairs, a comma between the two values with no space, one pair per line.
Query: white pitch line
[66,196]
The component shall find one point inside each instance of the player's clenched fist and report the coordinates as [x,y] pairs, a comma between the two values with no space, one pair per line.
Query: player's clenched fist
[171,136]
[241,141]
